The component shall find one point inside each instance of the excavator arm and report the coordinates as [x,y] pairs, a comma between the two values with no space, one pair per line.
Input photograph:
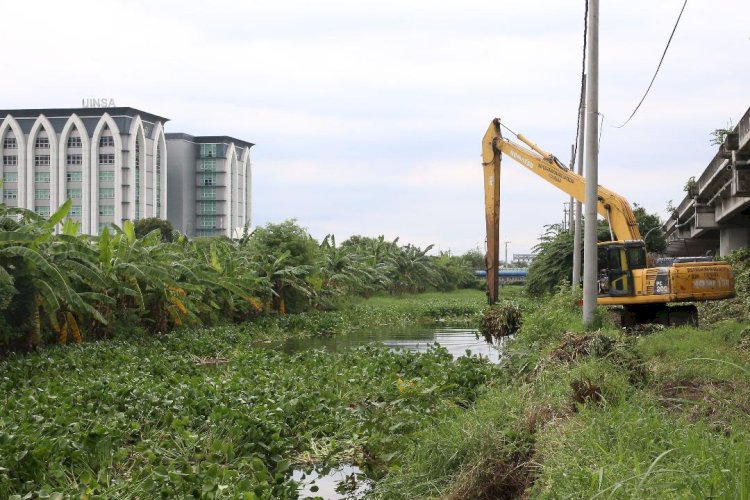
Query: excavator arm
[613,207]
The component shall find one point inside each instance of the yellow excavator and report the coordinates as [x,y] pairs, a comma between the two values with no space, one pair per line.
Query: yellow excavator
[641,294]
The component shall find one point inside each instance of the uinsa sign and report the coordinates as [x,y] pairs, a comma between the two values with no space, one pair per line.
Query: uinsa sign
[97,102]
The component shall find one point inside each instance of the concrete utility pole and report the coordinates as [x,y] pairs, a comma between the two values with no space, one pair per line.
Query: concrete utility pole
[592,168]
[506,253]
[572,200]
[577,224]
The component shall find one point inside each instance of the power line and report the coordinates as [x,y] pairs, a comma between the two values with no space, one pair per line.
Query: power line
[657,68]
[583,78]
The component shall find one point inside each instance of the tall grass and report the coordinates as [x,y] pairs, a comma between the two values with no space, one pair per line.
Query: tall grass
[598,415]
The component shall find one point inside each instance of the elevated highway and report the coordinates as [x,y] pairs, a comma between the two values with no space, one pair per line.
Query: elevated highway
[714,216]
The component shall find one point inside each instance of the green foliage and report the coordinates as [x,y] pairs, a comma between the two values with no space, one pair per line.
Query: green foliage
[474,259]
[454,272]
[649,224]
[690,186]
[56,287]
[737,309]
[719,135]
[198,414]
[144,226]
[553,263]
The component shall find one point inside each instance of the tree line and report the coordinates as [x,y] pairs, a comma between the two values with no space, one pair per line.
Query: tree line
[59,286]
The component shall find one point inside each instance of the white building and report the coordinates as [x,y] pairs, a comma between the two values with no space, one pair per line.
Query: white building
[112,163]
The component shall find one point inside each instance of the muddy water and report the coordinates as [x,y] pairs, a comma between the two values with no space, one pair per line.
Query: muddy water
[456,339]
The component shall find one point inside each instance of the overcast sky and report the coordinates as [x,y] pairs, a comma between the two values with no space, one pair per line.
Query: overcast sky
[368,116]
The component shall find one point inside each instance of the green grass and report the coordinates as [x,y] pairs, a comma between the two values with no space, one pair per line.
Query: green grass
[637,449]
[659,416]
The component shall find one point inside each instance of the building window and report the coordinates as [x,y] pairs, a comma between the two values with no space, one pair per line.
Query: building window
[10,161]
[106,193]
[41,176]
[74,176]
[75,142]
[10,176]
[106,176]
[208,165]
[107,159]
[10,194]
[158,181]
[41,142]
[137,178]
[74,160]
[106,210]
[73,193]
[208,179]
[41,194]
[208,150]
[106,141]
[208,193]
[104,225]
[75,210]
[208,222]
[208,207]
[42,210]
[41,160]
[10,143]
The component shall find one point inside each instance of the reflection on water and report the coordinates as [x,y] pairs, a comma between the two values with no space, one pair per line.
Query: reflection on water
[314,485]
[456,339]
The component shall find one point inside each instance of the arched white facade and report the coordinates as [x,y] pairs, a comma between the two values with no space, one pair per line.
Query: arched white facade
[247,188]
[106,124]
[87,155]
[75,126]
[159,155]
[41,127]
[9,127]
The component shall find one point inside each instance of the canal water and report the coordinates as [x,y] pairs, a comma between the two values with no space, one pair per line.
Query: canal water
[457,340]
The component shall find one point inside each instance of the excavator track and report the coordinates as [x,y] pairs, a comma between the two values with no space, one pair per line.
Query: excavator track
[660,314]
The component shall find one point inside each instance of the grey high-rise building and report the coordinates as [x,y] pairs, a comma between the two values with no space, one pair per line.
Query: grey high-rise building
[210,178]
[114,165]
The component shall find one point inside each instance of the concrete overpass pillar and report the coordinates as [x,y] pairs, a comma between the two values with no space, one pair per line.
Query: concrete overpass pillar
[733,238]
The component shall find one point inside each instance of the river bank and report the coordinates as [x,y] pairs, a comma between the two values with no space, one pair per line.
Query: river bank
[658,415]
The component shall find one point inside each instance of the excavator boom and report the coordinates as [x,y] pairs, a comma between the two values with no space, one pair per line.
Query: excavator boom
[626,280]
[611,206]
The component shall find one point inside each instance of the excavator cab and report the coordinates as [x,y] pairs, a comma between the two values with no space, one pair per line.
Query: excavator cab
[616,262]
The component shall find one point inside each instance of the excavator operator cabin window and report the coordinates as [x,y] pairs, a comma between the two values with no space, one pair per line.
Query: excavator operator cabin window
[614,259]
[636,257]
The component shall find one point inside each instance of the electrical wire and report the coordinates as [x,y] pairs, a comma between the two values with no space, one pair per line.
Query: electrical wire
[583,79]
[657,69]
